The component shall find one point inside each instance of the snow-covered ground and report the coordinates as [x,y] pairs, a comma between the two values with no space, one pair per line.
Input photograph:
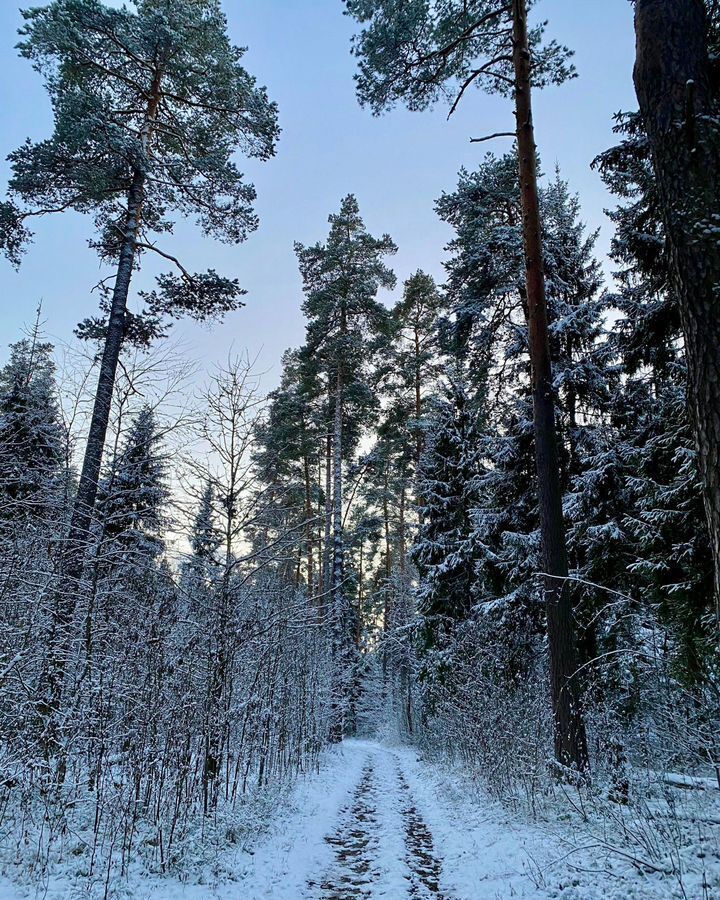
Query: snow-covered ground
[377,822]
[360,829]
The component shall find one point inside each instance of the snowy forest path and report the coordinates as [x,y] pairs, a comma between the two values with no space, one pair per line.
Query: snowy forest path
[368,858]
[376,821]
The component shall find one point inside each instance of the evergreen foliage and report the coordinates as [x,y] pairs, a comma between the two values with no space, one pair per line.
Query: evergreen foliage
[33,439]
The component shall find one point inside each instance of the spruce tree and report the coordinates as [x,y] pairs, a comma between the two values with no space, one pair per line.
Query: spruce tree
[289,439]
[486,291]
[445,551]
[416,358]
[33,440]
[132,496]
[199,570]
[640,506]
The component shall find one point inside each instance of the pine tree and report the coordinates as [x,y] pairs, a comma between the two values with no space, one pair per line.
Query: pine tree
[419,53]
[150,104]
[341,279]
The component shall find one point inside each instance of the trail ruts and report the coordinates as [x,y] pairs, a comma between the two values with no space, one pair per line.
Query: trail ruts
[355,845]
[425,867]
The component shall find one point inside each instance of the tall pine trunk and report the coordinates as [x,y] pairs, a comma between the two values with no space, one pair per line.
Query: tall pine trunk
[419,436]
[338,540]
[321,581]
[338,618]
[78,538]
[309,528]
[569,729]
[327,553]
[338,536]
[402,539]
[673,82]
[92,461]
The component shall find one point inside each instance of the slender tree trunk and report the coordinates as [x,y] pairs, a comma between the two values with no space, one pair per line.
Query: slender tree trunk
[569,729]
[309,531]
[387,598]
[386,523]
[327,554]
[78,539]
[338,539]
[402,541]
[387,606]
[361,598]
[73,556]
[90,475]
[673,81]
[321,555]
[339,618]
[419,436]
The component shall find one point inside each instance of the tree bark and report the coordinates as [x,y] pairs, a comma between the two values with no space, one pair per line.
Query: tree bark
[327,554]
[320,540]
[90,475]
[309,528]
[419,436]
[73,556]
[402,539]
[338,540]
[339,619]
[569,729]
[674,85]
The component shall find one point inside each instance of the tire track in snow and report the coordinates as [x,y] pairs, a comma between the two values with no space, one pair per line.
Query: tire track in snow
[366,853]
[425,866]
[355,844]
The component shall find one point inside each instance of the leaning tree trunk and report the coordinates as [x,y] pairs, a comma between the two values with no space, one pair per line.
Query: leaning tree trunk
[78,538]
[90,475]
[73,556]
[569,729]
[673,81]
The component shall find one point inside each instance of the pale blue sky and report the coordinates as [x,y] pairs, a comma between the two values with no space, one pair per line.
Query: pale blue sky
[397,165]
